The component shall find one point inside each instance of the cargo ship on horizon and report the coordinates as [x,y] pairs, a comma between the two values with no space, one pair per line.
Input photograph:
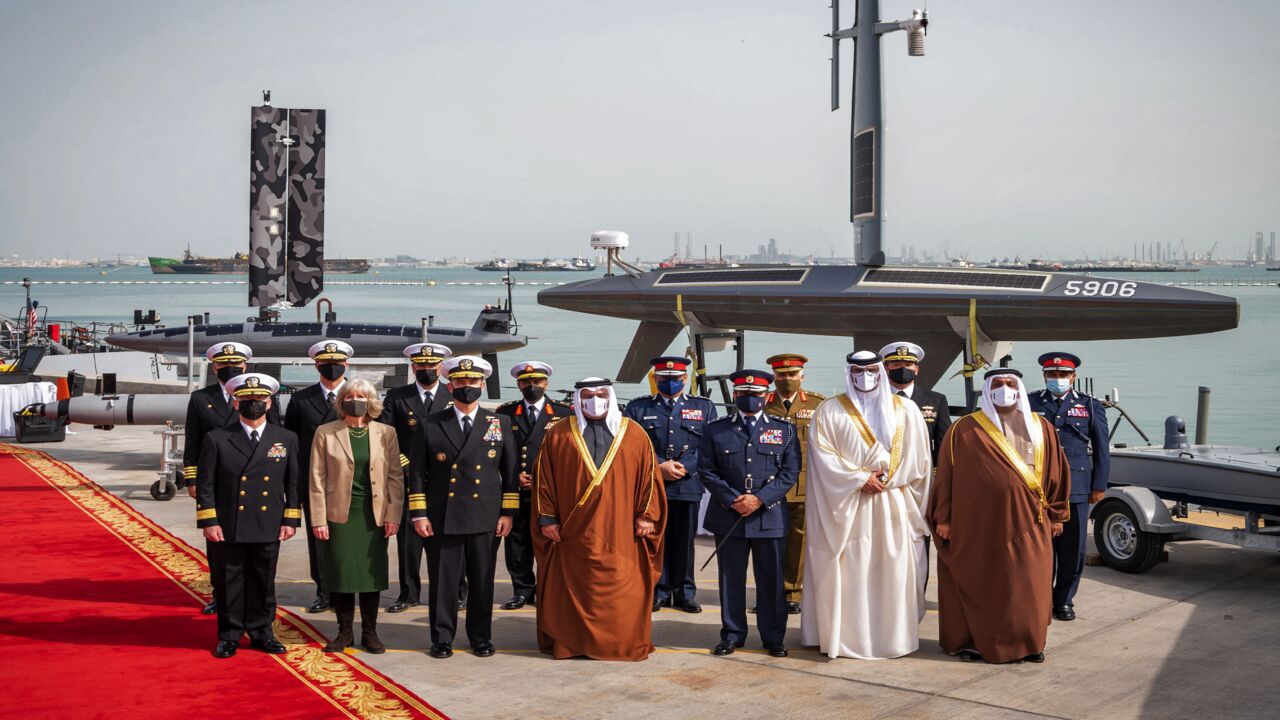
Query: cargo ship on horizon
[239,263]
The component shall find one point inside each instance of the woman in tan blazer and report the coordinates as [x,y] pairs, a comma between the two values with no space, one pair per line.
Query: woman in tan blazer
[356,495]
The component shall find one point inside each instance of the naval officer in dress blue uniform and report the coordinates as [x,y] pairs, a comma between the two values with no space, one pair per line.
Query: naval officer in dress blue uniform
[247,502]
[749,462]
[674,421]
[1082,426]
[403,408]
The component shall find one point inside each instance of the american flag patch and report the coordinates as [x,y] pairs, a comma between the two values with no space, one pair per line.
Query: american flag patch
[771,437]
[691,414]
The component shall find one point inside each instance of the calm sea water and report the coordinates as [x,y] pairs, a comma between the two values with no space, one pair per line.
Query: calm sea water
[1155,378]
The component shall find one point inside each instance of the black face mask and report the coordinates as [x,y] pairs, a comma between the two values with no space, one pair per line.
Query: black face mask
[332,371]
[749,403]
[228,372]
[902,375]
[466,395]
[427,377]
[253,409]
[533,393]
[355,407]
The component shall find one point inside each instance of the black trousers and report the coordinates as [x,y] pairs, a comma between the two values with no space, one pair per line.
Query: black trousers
[409,550]
[245,588]
[767,559]
[518,551]
[676,581]
[213,580]
[1068,554]
[450,559]
[313,552]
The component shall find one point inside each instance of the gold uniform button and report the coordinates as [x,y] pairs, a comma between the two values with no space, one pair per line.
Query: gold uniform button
[479,468]
[450,494]
[453,480]
[475,495]
[264,508]
[455,466]
[241,492]
[241,507]
[266,478]
[243,478]
[264,493]
[477,481]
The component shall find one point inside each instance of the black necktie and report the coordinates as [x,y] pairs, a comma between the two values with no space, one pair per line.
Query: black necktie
[329,397]
[253,438]
[533,413]
[427,399]
[786,404]
[466,425]
[902,393]
[750,421]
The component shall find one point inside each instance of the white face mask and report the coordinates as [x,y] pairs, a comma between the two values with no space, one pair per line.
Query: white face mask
[1004,396]
[595,407]
[866,382]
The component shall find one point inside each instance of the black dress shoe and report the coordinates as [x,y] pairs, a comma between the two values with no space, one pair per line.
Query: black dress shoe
[691,606]
[725,648]
[793,608]
[440,651]
[1065,613]
[400,606]
[658,604]
[271,646]
[1034,658]
[484,649]
[515,603]
[225,649]
[319,605]
[210,609]
[777,650]
[970,655]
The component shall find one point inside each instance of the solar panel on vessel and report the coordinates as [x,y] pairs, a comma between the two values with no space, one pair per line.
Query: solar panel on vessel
[288,329]
[963,278]
[736,276]
[864,173]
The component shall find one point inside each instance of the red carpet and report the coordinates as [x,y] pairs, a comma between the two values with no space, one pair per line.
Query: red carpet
[99,618]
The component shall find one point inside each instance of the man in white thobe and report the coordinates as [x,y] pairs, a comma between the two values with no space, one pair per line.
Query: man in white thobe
[869,474]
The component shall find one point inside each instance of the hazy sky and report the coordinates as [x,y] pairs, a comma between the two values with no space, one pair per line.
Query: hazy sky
[517,128]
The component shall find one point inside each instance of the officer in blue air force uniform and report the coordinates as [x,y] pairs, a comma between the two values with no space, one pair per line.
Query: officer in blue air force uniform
[674,422]
[1082,423]
[749,462]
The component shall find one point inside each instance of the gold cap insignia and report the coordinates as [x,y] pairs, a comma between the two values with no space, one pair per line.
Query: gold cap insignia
[750,379]
[228,349]
[1057,361]
[465,364]
[251,381]
[903,350]
[670,364]
[331,347]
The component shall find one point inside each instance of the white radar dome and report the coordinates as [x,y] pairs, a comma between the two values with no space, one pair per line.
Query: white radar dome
[609,240]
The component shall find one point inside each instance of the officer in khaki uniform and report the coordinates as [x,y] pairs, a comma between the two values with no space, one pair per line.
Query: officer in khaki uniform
[791,402]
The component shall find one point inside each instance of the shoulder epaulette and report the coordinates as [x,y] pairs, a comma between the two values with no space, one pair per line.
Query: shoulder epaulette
[818,395]
[509,403]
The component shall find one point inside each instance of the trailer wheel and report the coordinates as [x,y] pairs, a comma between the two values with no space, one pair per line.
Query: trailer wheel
[163,491]
[1121,543]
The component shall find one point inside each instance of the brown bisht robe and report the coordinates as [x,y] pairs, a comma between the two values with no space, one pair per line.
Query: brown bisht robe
[595,587]
[995,574]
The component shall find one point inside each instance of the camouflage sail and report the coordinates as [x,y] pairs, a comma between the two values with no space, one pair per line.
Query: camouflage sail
[267,187]
[305,221]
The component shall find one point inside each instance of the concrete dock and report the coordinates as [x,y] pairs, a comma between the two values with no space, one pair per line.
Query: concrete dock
[1196,637]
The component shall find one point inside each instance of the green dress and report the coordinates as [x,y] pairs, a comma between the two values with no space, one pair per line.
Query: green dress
[355,558]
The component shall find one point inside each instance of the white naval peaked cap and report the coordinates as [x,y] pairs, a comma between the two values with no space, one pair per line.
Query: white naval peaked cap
[427,353]
[228,352]
[902,350]
[530,370]
[253,385]
[331,351]
[467,366]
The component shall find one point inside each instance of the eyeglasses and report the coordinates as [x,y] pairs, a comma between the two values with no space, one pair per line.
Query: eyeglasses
[869,370]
